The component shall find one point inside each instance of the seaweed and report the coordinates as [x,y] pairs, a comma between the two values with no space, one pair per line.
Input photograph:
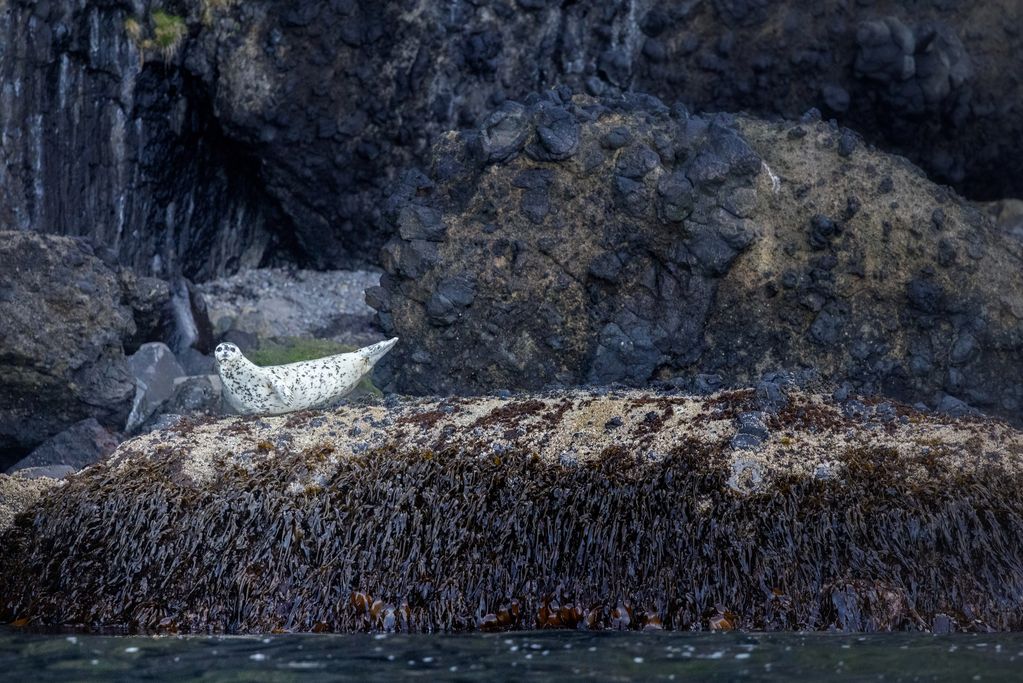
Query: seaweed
[418,540]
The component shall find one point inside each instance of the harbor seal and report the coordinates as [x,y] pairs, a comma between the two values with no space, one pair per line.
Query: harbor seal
[277,389]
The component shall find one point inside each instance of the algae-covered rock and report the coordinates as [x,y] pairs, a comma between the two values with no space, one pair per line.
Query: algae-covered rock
[62,325]
[580,240]
[565,510]
[18,493]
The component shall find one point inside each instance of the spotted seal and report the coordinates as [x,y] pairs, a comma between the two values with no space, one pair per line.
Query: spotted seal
[296,386]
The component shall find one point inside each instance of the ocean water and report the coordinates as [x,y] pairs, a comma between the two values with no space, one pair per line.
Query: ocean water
[520,656]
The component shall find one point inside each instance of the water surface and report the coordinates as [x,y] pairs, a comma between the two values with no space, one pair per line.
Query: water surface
[514,656]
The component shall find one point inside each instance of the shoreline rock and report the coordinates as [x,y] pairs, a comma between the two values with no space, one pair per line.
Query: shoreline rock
[600,509]
[77,447]
[18,493]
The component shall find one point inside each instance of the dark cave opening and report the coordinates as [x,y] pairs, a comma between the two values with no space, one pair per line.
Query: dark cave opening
[191,164]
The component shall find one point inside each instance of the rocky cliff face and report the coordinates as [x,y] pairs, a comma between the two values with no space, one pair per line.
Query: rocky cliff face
[579,240]
[102,138]
[251,128]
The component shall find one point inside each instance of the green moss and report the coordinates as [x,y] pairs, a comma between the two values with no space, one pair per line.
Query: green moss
[163,32]
[168,32]
[294,349]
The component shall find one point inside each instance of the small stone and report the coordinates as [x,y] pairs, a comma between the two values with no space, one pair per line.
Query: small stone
[616,138]
[822,229]
[954,407]
[749,442]
[770,396]
[417,222]
[812,115]
[847,143]
[504,132]
[637,161]
[558,133]
[753,424]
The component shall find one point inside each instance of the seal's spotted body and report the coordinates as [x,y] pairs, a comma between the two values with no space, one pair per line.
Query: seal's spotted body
[295,386]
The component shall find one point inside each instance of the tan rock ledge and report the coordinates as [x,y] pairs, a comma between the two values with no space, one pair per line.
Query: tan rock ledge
[573,509]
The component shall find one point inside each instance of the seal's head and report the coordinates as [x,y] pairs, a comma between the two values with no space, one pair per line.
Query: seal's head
[226,353]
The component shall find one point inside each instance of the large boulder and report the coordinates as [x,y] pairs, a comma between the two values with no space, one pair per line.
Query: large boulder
[253,131]
[62,324]
[573,510]
[576,240]
[155,371]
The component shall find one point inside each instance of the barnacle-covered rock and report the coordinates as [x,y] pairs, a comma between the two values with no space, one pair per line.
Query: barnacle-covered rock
[17,493]
[661,245]
[622,510]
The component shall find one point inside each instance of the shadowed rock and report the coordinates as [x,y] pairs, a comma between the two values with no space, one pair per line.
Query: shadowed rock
[62,324]
[78,446]
[668,246]
[592,510]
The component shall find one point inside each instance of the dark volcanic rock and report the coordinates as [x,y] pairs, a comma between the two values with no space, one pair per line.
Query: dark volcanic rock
[275,126]
[679,253]
[193,397]
[78,446]
[575,292]
[62,325]
[149,298]
[108,140]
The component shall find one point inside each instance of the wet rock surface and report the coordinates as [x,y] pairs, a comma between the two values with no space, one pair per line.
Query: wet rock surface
[62,326]
[560,510]
[77,447]
[274,132]
[618,240]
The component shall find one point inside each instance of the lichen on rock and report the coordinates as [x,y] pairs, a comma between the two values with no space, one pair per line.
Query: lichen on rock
[607,240]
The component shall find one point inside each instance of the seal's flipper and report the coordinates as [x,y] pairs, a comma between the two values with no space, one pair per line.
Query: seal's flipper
[282,390]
